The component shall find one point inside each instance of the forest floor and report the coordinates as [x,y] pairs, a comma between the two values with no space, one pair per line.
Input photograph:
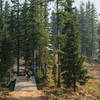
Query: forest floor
[26,95]
[89,91]
[93,86]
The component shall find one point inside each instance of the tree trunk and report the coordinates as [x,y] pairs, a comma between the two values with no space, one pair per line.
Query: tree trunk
[41,62]
[92,40]
[25,64]
[45,69]
[58,45]
[59,71]
[18,56]
[34,61]
[18,39]
[40,58]
[74,85]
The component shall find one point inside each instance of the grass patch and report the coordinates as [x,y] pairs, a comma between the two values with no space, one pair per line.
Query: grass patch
[79,98]
[3,93]
[98,97]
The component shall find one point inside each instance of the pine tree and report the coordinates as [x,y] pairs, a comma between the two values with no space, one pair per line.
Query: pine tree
[1,31]
[98,31]
[25,29]
[73,62]
[58,43]
[6,11]
[6,45]
[35,28]
[94,38]
[1,17]
[6,14]
[16,12]
[7,58]
[54,23]
[88,26]
[82,29]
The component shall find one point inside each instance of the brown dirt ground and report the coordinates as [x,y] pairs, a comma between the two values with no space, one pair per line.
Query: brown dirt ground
[26,95]
[94,71]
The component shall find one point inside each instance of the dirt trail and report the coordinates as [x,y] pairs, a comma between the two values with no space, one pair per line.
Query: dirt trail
[23,84]
[26,90]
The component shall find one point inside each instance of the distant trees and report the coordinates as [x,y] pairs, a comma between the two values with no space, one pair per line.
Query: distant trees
[87,18]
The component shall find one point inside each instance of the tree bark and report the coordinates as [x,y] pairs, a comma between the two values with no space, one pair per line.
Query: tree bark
[34,61]
[25,64]
[18,55]
[18,39]
[58,45]
[74,85]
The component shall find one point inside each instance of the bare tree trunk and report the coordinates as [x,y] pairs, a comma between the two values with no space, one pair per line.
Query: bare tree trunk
[18,39]
[25,64]
[41,61]
[34,60]
[92,40]
[33,63]
[18,55]
[59,71]
[58,46]
[18,64]
[40,58]
[46,69]
[74,85]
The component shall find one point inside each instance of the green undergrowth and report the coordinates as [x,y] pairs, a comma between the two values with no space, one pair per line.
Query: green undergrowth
[89,91]
[3,93]
[86,92]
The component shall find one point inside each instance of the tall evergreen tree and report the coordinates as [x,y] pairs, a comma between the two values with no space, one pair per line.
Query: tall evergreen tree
[6,11]
[94,38]
[25,29]
[16,10]
[6,45]
[58,43]
[1,16]
[82,29]
[36,28]
[73,62]
[98,31]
